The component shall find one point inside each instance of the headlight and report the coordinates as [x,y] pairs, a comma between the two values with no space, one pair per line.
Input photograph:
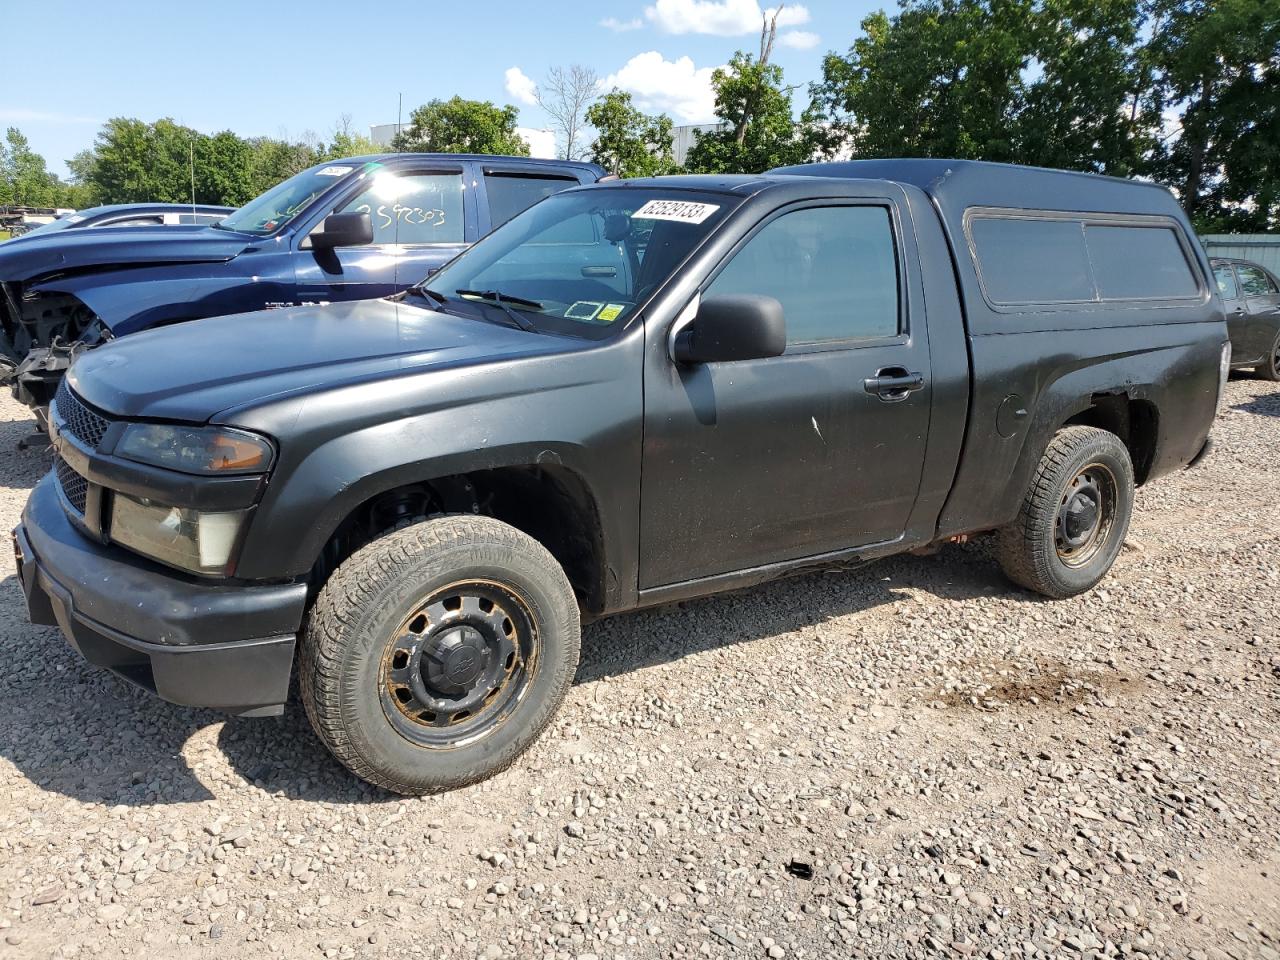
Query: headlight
[195,540]
[202,450]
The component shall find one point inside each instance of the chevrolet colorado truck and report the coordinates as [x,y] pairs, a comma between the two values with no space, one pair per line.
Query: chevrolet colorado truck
[343,230]
[632,393]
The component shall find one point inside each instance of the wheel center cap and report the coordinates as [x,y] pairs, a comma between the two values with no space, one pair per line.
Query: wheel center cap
[1081,518]
[455,660]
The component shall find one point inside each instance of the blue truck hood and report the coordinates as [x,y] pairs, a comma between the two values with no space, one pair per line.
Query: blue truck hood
[72,250]
[192,371]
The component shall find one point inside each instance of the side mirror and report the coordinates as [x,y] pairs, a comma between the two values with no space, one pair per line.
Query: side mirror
[733,327]
[343,230]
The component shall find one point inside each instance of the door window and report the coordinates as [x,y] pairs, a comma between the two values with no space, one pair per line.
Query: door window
[833,269]
[412,208]
[1225,277]
[510,194]
[1254,281]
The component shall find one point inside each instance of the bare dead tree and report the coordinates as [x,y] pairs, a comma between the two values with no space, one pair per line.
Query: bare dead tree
[565,95]
[768,33]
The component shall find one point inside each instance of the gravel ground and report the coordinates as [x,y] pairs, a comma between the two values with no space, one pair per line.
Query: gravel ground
[906,761]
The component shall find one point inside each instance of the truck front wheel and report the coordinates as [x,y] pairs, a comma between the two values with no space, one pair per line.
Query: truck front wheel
[1074,517]
[434,656]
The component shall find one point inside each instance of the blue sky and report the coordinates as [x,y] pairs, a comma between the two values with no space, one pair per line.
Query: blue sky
[277,68]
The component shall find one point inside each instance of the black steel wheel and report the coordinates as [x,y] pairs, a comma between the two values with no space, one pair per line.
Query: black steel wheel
[435,655]
[1271,369]
[1075,514]
[1085,515]
[459,663]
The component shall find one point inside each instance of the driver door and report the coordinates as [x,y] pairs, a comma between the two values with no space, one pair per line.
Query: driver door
[418,218]
[756,462]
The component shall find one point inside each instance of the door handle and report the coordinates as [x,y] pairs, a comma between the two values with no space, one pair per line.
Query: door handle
[893,383]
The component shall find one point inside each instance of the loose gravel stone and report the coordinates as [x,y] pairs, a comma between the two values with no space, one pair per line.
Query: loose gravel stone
[962,769]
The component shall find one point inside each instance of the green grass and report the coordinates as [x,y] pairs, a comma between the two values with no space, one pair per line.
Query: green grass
[4,234]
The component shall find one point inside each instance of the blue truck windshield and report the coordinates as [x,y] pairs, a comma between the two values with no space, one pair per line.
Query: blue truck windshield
[286,200]
[582,261]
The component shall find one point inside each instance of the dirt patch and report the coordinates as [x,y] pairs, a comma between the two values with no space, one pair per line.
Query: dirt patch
[1011,685]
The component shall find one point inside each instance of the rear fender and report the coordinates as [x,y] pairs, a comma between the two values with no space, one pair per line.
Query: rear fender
[1175,370]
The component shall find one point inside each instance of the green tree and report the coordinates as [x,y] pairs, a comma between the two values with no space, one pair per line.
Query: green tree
[628,142]
[463,126]
[24,178]
[756,129]
[347,142]
[1217,64]
[941,78]
[1089,108]
[271,161]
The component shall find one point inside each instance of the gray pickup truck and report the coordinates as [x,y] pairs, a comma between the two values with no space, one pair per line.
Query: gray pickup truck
[631,393]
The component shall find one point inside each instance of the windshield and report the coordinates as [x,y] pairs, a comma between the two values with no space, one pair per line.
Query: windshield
[286,200]
[581,262]
[70,220]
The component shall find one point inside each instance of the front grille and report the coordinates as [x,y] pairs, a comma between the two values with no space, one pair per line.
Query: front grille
[74,487]
[78,420]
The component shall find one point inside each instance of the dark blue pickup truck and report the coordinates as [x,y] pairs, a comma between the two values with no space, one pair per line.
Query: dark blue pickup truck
[347,230]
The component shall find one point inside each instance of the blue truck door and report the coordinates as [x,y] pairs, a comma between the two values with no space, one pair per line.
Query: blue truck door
[575,249]
[814,451]
[418,214]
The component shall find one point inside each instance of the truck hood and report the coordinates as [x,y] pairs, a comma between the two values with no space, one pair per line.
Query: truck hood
[71,250]
[192,371]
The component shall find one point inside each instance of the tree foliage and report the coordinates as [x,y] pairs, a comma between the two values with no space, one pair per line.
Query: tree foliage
[756,129]
[1184,91]
[463,126]
[24,179]
[629,143]
[133,161]
[1217,64]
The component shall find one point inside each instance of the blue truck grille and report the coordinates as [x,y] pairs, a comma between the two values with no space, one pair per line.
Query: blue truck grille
[78,420]
[74,487]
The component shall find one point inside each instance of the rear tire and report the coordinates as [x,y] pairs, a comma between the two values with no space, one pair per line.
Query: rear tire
[1270,370]
[435,655]
[1074,517]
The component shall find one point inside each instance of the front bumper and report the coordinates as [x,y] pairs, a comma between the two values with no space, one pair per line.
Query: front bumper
[199,644]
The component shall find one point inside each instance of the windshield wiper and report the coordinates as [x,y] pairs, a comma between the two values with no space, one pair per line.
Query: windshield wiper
[499,297]
[500,300]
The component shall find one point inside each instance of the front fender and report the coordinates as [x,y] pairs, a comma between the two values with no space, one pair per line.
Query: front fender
[138,298]
[579,412]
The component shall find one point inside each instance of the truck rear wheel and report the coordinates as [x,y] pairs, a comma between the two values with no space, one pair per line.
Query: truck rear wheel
[434,656]
[1074,517]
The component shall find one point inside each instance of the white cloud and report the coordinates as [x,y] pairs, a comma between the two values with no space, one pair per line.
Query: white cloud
[800,39]
[621,26]
[670,86]
[542,143]
[23,115]
[521,87]
[722,18]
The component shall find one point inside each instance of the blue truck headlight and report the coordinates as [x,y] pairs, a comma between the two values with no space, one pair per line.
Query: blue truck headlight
[203,450]
[197,540]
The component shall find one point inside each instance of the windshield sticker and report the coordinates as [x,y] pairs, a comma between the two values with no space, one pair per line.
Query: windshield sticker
[334,171]
[610,312]
[75,218]
[584,310]
[682,211]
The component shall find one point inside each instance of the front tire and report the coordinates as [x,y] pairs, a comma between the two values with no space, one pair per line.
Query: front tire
[1074,517]
[435,655]
[1270,369]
